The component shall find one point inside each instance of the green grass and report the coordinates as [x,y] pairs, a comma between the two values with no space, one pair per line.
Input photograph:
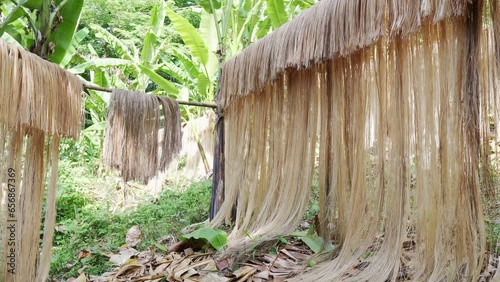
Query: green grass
[313,205]
[493,237]
[85,222]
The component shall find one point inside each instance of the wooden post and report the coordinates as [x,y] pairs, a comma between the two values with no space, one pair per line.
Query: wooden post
[218,176]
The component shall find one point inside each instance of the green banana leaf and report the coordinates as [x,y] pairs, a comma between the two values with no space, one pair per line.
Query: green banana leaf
[209,35]
[176,72]
[188,64]
[62,36]
[92,51]
[148,49]
[8,38]
[16,12]
[33,4]
[203,85]
[190,36]
[263,28]
[302,4]
[157,18]
[159,80]
[207,6]
[116,43]
[156,22]
[99,78]
[77,39]
[277,12]
[15,31]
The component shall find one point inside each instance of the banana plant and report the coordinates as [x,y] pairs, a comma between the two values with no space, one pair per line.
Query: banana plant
[242,22]
[194,63]
[45,27]
[14,22]
[226,27]
[136,68]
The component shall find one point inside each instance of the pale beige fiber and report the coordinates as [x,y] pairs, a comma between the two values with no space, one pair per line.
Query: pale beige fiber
[403,93]
[39,103]
[132,143]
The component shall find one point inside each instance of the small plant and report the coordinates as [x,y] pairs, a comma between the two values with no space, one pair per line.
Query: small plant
[315,243]
[215,237]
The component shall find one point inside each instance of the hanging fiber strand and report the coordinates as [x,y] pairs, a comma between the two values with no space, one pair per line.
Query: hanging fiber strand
[38,94]
[132,143]
[40,103]
[397,97]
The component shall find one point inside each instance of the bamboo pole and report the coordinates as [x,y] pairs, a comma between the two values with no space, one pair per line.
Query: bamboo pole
[218,168]
[196,104]
[219,160]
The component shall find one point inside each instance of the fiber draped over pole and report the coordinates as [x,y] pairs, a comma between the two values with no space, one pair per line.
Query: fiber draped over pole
[328,30]
[397,97]
[143,134]
[40,103]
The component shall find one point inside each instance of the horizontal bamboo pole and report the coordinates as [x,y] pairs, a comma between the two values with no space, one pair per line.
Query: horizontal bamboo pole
[196,104]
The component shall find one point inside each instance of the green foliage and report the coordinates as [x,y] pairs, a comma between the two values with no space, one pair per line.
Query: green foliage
[493,236]
[155,24]
[118,45]
[138,69]
[83,152]
[190,35]
[70,52]
[277,12]
[46,31]
[86,224]
[14,12]
[70,200]
[128,20]
[62,36]
[98,64]
[217,238]
[33,4]
[199,79]
[159,80]
[315,243]
[14,25]
[313,205]
[174,55]
[209,5]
